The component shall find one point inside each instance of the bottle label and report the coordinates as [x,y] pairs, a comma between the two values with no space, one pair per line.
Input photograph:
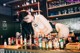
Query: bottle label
[24,41]
[40,45]
[9,41]
[30,42]
[21,41]
[47,46]
[56,45]
[43,44]
[50,44]
[40,39]
[61,44]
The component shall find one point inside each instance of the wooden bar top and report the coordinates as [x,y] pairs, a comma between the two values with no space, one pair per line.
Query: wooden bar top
[10,46]
[16,48]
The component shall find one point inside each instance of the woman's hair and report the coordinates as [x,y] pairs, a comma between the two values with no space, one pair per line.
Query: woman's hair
[22,14]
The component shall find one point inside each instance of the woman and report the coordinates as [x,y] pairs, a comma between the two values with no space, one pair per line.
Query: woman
[39,23]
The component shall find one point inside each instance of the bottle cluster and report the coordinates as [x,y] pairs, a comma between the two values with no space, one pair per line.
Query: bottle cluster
[60,3]
[71,10]
[28,2]
[42,42]
[49,42]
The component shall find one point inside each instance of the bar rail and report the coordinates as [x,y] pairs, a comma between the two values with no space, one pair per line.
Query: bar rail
[37,51]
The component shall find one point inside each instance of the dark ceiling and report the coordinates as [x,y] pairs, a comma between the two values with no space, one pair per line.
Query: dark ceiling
[9,2]
[4,1]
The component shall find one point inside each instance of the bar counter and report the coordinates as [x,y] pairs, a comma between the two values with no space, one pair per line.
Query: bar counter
[14,49]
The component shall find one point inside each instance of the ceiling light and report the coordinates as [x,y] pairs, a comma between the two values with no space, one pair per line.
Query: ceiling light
[4,4]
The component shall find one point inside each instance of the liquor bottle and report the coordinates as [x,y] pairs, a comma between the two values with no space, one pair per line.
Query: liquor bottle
[12,41]
[49,5]
[47,46]
[25,42]
[46,42]
[18,5]
[17,37]
[9,41]
[59,12]
[36,42]
[5,43]
[31,9]
[63,2]
[69,11]
[40,42]
[65,11]
[72,11]
[75,9]
[56,43]
[61,43]
[43,43]
[57,3]
[50,44]
[35,1]
[30,40]
[49,36]
[60,2]
[23,4]
[1,40]
[16,41]
[32,1]
[79,9]
[27,3]
[21,40]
